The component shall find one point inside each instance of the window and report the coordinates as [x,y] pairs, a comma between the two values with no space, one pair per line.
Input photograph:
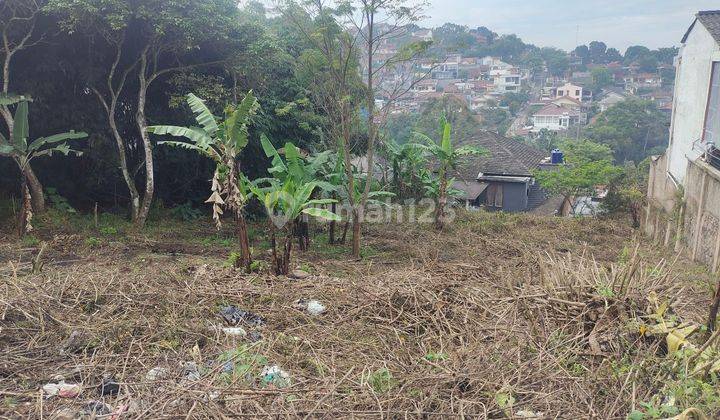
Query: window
[494,197]
[711,130]
[577,92]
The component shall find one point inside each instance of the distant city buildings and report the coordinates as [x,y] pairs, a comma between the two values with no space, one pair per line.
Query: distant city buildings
[556,103]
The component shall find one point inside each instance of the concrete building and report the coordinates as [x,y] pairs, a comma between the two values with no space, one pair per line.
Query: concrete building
[695,113]
[684,186]
[555,117]
[571,90]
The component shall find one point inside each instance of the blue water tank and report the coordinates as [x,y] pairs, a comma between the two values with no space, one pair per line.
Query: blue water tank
[556,157]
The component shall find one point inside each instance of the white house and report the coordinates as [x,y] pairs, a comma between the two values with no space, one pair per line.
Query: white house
[507,81]
[506,77]
[555,117]
[570,90]
[696,108]
[683,208]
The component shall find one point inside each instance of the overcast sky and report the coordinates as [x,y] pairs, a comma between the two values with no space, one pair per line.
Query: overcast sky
[619,23]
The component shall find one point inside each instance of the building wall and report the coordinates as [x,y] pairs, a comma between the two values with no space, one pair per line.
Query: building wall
[690,222]
[515,196]
[692,83]
[572,91]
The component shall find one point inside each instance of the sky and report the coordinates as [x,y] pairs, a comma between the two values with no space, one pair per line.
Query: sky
[558,23]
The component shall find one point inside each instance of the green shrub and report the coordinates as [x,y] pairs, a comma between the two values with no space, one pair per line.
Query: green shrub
[186,212]
[93,242]
[30,241]
[381,381]
[109,230]
[58,202]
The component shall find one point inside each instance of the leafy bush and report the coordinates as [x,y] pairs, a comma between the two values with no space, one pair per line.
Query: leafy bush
[186,212]
[92,242]
[381,381]
[58,202]
[109,230]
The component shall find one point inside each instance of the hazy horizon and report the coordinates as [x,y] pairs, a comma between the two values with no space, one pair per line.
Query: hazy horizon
[557,23]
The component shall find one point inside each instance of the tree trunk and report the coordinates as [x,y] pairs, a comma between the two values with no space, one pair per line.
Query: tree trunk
[242,235]
[273,246]
[25,209]
[36,190]
[114,92]
[331,230]
[141,121]
[441,203]
[287,252]
[345,231]
[281,261]
[357,217]
[713,311]
[129,181]
[301,232]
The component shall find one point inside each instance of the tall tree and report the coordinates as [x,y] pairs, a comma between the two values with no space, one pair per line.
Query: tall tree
[556,60]
[597,51]
[379,22]
[148,39]
[587,165]
[612,55]
[601,78]
[633,129]
[582,52]
[18,20]
[635,52]
[357,29]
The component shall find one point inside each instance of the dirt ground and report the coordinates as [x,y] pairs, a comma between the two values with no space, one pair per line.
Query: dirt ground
[501,316]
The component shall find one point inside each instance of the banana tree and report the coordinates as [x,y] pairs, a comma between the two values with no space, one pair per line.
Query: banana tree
[221,141]
[23,151]
[448,158]
[408,162]
[331,169]
[301,169]
[286,200]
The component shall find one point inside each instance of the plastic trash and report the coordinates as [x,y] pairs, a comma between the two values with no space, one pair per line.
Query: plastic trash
[156,373]
[108,386]
[273,375]
[234,316]
[191,372]
[299,274]
[235,331]
[312,306]
[97,408]
[62,389]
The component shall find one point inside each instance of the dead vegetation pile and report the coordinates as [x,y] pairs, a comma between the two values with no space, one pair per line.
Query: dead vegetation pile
[502,317]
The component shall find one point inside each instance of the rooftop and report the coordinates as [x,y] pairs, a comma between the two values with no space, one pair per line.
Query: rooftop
[505,157]
[555,109]
[710,20]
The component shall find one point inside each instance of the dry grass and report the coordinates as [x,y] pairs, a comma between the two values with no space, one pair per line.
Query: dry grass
[503,316]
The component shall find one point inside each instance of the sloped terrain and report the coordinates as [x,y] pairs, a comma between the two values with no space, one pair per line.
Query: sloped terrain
[501,316]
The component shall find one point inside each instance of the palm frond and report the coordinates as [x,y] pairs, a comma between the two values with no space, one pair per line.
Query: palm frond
[202,114]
